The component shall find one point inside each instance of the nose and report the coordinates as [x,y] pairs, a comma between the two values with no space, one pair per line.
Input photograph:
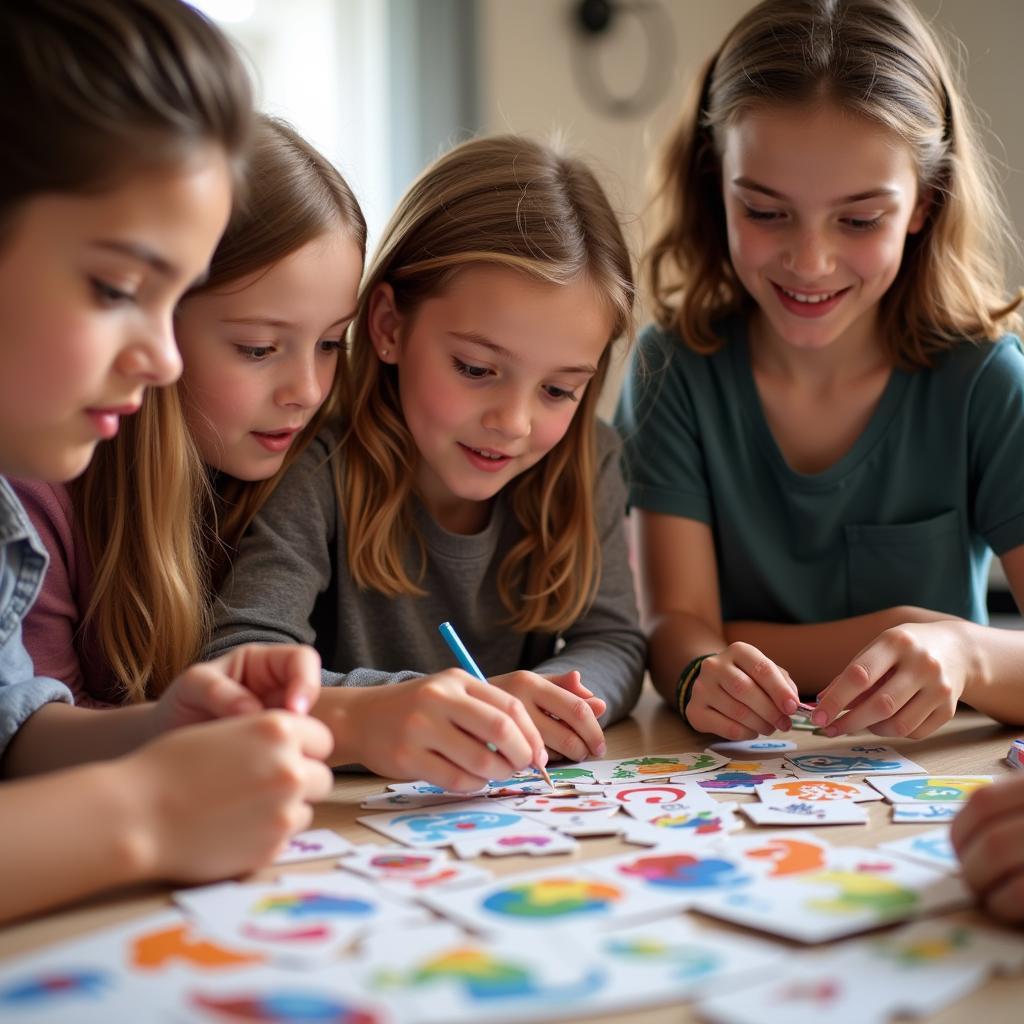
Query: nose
[808,254]
[152,356]
[301,387]
[509,416]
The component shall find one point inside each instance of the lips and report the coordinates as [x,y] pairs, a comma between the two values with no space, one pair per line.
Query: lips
[809,304]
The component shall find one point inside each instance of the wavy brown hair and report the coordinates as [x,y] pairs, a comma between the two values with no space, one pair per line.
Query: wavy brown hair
[510,202]
[878,60]
[156,534]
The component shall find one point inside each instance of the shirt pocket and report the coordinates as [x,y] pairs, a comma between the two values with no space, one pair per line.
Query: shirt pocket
[924,564]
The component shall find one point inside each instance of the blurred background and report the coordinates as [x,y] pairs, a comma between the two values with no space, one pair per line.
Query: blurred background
[383,87]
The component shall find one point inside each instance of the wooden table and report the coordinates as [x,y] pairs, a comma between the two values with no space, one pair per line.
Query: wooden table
[969,745]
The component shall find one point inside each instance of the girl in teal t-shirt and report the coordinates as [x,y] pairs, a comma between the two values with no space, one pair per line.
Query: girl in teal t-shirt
[824,431]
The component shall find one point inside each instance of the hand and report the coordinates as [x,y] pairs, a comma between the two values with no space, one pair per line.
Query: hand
[906,682]
[988,835]
[740,694]
[222,798]
[245,680]
[563,710]
[438,728]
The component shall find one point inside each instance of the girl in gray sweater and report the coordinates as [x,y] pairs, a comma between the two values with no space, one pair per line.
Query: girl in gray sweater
[468,480]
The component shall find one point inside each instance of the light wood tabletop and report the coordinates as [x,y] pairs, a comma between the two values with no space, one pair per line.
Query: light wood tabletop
[970,744]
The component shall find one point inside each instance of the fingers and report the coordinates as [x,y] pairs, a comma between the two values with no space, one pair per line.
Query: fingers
[991,862]
[314,738]
[280,675]
[777,695]
[576,733]
[722,702]
[506,740]
[707,719]
[882,705]
[440,771]
[990,803]
[209,691]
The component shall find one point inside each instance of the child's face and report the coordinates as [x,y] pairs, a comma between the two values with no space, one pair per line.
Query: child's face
[88,284]
[819,205]
[260,354]
[490,374]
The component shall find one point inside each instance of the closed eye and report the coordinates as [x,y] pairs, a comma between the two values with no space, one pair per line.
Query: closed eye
[558,394]
[469,370]
[107,294]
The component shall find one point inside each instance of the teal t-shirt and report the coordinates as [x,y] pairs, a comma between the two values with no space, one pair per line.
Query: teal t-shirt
[910,515]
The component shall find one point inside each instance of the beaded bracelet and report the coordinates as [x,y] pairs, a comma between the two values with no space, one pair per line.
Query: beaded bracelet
[687,679]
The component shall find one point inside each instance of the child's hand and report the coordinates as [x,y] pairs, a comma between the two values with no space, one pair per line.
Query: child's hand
[246,679]
[906,682]
[988,835]
[437,728]
[562,710]
[221,798]
[741,694]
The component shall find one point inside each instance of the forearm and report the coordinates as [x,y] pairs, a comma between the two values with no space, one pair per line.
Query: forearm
[83,838]
[340,709]
[815,653]
[995,683]
[674,640]
[60,736]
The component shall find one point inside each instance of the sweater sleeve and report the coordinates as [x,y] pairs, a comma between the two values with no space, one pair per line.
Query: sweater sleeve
[606,645]
[50,628]
[283,562]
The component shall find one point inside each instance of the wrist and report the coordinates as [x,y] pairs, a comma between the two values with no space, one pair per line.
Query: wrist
[687,681]
[126,802]
[977,665]
[339,709]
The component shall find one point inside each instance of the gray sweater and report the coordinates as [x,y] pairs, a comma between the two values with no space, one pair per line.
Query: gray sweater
[290,583]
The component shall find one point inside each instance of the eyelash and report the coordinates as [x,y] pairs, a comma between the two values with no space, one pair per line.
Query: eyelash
[853,223]
[254,353]
[108,295]
[478,373]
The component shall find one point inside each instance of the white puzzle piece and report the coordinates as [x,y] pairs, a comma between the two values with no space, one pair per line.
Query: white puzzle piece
[314,845]
[780,792]
[799,812]
[863,759]
[762,746]
[923,814]
[931,789]
[932,848]
[681,825]
[411,872]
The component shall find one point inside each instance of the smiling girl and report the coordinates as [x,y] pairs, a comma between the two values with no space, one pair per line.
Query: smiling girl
[823,429]
[473,482]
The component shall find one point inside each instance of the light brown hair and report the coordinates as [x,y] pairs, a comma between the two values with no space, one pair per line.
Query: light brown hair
[509,202]
[876,59]
[157,535]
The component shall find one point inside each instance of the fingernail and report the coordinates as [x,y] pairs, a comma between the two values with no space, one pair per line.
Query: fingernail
[542,759]
[789,706]
[300,705]
[602,749]
[818,717]
[831,731]
[783,725]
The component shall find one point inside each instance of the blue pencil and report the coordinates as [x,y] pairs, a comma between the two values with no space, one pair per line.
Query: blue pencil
[465,659]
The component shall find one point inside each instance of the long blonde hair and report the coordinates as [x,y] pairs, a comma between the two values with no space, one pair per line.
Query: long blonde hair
[509,202]
[155,534]
[876,59]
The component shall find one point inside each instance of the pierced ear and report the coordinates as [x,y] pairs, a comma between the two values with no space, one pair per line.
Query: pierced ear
[920,215]
[384,323]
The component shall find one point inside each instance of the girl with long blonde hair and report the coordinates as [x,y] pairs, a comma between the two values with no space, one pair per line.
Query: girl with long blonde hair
[468,480]
[823,427]
[135,540]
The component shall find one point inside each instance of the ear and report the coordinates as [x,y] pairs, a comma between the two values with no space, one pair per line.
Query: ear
[385,323]
[924,207]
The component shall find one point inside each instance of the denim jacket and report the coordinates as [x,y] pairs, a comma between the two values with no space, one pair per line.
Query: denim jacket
[22,567]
